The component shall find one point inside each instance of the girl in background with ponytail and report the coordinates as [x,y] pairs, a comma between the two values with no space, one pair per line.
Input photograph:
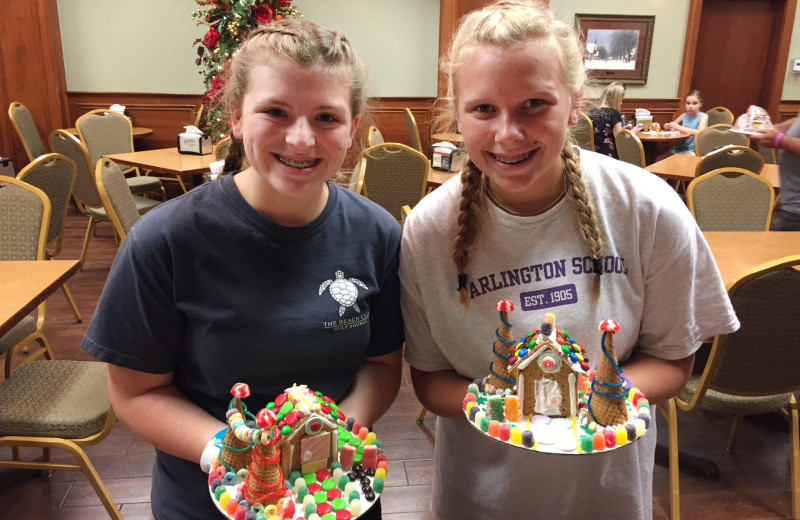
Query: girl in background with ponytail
[535,220]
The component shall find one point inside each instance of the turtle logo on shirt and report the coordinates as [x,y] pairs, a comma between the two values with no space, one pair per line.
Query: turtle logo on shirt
[343,291]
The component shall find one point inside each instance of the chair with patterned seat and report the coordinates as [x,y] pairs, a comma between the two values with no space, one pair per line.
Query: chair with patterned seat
[746,376]
[583,132]
[54,174]
[413,130]
[717,136]
[731,199]
[85,190]
[58,404]
[104,133]
[392,175]
[374,136]
[731,156]
[24,219]
[23,123]
[117,200]
[719,116]
[630,148]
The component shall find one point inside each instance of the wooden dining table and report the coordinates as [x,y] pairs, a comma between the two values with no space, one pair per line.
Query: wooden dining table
[24,284]
[736,252]
[661,136]
[166,161]
[682,168]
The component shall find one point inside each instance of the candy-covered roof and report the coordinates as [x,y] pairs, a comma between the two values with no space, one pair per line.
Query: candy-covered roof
[558,341]
[298,407]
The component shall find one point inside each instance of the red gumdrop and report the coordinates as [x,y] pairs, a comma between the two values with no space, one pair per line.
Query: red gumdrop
[381,457]
[610,437]
[334,494]
[323,474]
[343,514]
[323,509]
[314,487]
[288,508]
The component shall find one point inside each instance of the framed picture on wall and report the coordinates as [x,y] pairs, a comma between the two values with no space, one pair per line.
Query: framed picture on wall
[617,46]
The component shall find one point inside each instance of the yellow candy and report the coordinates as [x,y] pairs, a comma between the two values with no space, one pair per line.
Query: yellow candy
[380,472]
[516,436]
[622,436]
[223,499]
[273,518]
[271,510]
[470,406]
[370,437]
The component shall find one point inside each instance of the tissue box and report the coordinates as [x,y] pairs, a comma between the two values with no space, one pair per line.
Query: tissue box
[194,144]
[7,167]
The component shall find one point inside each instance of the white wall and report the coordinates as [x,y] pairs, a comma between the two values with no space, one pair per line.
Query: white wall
[146,45]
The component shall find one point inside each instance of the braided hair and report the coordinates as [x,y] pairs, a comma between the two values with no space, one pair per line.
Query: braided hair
[503,24]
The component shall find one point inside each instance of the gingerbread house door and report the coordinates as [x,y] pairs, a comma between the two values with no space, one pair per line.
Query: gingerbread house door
[315,451]
[548,397]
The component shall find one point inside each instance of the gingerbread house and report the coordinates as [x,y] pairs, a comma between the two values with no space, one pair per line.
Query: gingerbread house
[550,367]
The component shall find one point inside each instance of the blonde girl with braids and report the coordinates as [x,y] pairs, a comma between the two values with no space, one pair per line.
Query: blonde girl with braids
[535,220]
[225,283]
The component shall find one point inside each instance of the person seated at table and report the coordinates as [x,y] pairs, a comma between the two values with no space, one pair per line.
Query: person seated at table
[690,122]
[606,119]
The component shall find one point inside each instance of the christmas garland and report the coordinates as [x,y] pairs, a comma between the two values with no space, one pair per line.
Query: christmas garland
[228,21]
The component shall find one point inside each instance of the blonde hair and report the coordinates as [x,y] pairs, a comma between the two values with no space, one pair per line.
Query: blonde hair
[612,95]
[303,41]
[504,24]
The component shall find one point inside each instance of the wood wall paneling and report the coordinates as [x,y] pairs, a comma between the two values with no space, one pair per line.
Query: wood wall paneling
[32,70]
[166,114]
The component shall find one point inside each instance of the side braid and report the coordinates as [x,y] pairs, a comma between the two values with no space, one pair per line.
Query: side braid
[473,188]
[584,211]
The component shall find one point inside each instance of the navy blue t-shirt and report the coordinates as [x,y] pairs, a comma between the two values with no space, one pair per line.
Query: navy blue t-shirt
[208,288]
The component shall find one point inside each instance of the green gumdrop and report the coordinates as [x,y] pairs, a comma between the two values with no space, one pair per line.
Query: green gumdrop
[261,516]
[328,484]
[287,407]
[338,503]
[310,478]
[354,495]
[376,442]
[311,509]
[294,475]
[320,497]
[377,484]
[335,464]
[301,494]
[485,423]
[343,480]
[218,491]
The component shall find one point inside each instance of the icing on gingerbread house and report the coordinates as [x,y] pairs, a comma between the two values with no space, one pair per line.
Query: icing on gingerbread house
[550,368]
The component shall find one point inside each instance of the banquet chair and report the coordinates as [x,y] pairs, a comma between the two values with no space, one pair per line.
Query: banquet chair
[630,148]
[392,175]
[730,156]
[719,116]
[57,404]
[24,219]
[23,123]
[413,130]
[117,199]
[54,174]
[104,132]
[85,190]
[731,199]
[374,136]
[713,137]
[745,376]
[770,155]
[583,132]
[221,148]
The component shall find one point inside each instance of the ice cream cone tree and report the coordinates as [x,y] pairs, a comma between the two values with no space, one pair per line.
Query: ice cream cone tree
[235,453]
[265,483]
[504,342]
[607,401]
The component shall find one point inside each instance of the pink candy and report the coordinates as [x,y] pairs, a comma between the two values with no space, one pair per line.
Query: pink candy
[369,457]
[346,456]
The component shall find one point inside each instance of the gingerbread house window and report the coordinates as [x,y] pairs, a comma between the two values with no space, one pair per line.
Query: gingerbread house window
[549,362]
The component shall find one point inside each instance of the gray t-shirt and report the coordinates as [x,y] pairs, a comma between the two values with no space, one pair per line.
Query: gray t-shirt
[660,284]
[789,164]
[208,288]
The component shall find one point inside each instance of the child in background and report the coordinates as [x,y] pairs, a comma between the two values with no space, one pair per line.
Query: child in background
[225,283]
[690,122]
[529,199]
